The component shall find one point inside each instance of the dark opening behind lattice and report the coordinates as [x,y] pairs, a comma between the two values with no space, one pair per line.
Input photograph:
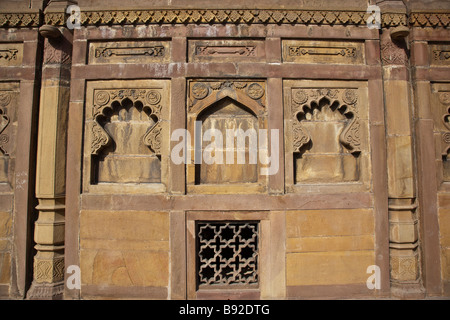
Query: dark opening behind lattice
[227,253]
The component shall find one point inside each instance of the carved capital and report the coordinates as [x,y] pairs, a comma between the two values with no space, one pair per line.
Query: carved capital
[394,52]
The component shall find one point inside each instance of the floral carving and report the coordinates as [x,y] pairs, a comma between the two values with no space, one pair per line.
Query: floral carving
[103,99]
[5,99]
[345,98]
[202,90]
[255,91]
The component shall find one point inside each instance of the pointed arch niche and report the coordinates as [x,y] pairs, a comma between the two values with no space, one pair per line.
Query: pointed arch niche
[327,136]
[236,107]
[125,149]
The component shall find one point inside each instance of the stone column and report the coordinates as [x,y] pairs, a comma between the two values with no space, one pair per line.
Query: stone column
[48,267]
[402,205]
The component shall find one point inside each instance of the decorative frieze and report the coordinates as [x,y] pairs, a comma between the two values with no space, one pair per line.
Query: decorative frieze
[128,52]
[429,19]
[323,52]
[11,54]
[226,50]
[20,19]
[247,16]
[440,54]
[416,19]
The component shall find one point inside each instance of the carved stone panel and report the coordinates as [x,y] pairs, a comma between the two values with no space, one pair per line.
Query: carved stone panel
[11,54]
[226,50]
[305,51]
[440,100]
[129,52]
[226,122]
[440,54]
[326,134]
[126,140]
[9,93]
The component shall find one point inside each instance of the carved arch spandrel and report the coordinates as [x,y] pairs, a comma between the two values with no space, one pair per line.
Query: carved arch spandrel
[105,99]
[346,101]
[203,94]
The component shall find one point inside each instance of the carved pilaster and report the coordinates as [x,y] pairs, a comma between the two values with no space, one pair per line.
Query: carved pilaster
[48,266]
[404,251]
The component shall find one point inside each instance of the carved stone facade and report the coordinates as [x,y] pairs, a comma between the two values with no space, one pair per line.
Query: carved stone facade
[226,151]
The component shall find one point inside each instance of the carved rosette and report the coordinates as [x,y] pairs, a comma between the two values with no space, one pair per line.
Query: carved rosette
[347,103]
[104,99]
[5,99]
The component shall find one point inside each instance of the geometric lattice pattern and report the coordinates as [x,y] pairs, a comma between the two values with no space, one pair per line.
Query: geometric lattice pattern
[227,253]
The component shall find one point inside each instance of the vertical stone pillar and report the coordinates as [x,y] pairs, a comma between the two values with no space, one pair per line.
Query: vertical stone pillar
[403,211]
[48,267]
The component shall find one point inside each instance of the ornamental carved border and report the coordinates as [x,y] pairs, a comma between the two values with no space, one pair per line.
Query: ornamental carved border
[347,100]
[5,100]
[248,16]
[240,90]
[104,99]
[444,98]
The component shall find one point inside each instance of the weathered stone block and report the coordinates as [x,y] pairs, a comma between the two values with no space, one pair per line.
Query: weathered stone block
[5,224]
[328,268]
[125,268]
[400,171]
[444,227]
[130,225]
[315,223]
[5,267]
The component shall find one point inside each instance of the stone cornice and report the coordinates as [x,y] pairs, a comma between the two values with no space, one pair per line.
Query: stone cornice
[225,16]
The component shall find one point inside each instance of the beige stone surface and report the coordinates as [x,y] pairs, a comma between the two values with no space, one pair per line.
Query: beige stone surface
[317,223]
[400,169]
[125,268]
[332,243]
[328,268]
[124,248]
[328,246]
[131,225]
[5,267]
[5,224]
[444,227]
